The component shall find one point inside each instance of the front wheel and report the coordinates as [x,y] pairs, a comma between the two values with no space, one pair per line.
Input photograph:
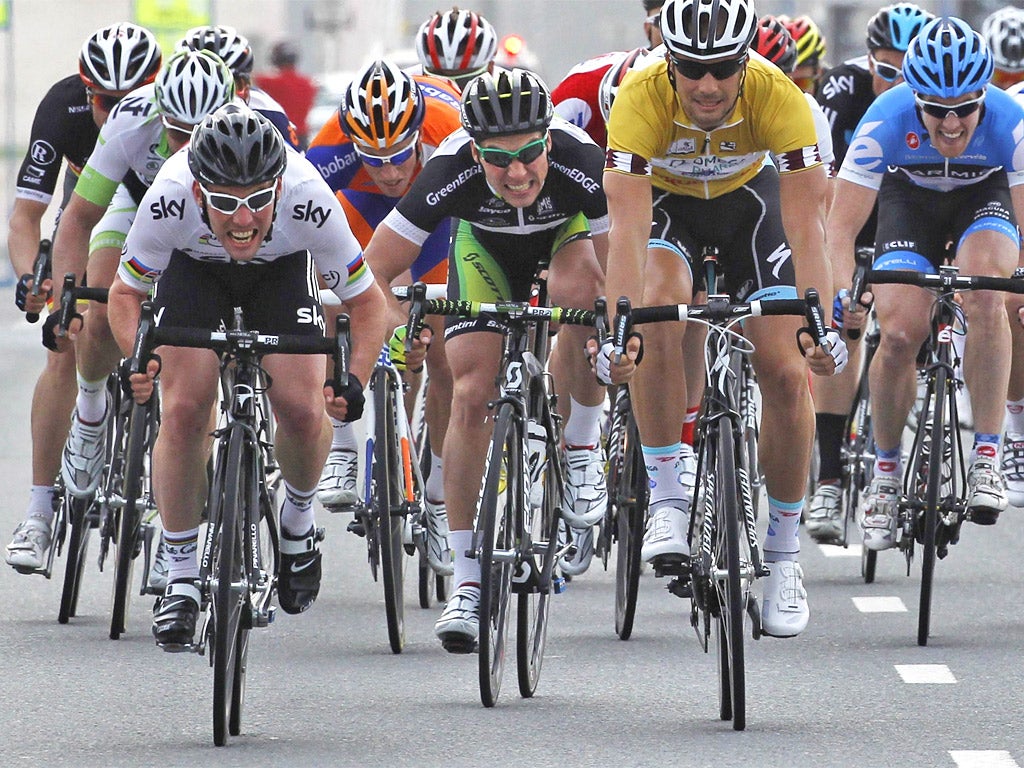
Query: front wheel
[631,492]
[77,517]
[387,508]
[932,499]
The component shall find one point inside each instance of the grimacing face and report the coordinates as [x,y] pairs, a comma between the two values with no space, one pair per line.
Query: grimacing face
[240,233]
[950,134]
[520,183]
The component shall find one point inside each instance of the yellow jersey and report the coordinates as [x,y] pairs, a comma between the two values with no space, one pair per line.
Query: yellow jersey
[649,134]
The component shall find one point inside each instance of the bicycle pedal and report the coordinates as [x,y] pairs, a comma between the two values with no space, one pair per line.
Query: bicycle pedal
[357,527]
[680,587]
[179,647]
[458,644]
[671,565]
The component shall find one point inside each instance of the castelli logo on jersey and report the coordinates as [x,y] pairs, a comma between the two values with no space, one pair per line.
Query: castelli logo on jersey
[913,140]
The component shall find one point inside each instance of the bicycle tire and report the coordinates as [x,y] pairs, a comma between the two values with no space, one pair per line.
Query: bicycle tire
[631,494]
[730,595]
[932,499]
[129,515]
[227,588]
[858,472]
[75,553]
[499,503]
[388,509]
[534,602]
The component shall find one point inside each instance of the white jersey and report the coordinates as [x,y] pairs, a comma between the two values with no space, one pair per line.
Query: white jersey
[131,147]
[824,132]
[309,217]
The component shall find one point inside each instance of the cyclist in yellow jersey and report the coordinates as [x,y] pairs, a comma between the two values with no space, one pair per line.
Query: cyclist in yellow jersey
[688,149]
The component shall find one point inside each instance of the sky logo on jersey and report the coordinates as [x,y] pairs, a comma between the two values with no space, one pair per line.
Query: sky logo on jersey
[310,212]
[43,152]
[913,140]
[162,209]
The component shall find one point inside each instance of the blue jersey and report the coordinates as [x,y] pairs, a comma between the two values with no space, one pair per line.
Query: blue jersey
[892,138]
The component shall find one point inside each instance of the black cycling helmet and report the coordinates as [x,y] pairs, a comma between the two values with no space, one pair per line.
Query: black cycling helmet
[236,146]
[504,103]
[894,26]
[652,5]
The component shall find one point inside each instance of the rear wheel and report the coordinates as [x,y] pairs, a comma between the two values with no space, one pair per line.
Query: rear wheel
[499,508]
[535,575]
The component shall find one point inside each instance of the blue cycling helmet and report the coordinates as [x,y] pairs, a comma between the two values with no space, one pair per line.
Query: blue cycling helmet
[947,59]
[894,26]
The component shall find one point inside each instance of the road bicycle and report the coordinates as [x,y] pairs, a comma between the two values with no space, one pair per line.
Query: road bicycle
[933,504]
[515,541]
[392,512]
[726,557]
[238,564]
[122,509]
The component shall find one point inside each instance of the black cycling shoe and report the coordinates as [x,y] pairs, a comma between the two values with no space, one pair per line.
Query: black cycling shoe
[175,616]
[298,576]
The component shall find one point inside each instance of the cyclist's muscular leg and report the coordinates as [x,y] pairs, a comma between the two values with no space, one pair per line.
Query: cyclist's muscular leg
[188,382]
[473,358]
[659,386]
[52,402]
[97,352]
[303,434]
[903,320]
[987,355]
[787,417]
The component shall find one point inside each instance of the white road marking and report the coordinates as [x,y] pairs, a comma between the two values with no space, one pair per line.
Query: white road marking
[834,550]
[925,674]
[983,758]
[879,604]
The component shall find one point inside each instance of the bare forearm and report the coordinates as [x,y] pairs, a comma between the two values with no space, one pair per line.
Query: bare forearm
[369,328]
[124,308]
[23,239]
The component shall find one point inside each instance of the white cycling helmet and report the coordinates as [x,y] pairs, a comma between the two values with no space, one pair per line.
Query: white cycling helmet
[708,29]
[232,47]
[1004,33]
[192,85]
[624,62]
[119,58]
[456,42]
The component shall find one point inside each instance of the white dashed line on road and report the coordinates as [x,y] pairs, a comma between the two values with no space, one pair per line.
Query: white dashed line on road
[879,604]
[834,550]
[983,758]
[925,674]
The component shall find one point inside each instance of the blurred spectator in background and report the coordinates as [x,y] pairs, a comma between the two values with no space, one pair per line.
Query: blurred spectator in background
[290,88]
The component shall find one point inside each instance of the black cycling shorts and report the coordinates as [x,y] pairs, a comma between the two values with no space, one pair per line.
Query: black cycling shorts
[280,297]
[746,227]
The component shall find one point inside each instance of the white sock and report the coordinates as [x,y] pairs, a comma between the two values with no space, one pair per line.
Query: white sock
[783,539]
[1014,417]
[182,562]
[584,424]
[297,515]
[467,569]
[92,400]
[664,475]
[40,503]
[435,480]
[343,436]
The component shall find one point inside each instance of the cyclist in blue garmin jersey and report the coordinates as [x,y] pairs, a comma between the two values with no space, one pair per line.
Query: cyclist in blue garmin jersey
[944,155]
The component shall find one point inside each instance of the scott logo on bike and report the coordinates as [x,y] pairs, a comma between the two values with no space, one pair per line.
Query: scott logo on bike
[310,212]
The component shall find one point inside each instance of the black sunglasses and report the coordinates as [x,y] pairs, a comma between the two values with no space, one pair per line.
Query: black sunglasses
[942,111]
[720,70]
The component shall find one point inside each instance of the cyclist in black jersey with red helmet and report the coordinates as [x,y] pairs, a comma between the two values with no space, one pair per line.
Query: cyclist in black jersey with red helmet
[113,61]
